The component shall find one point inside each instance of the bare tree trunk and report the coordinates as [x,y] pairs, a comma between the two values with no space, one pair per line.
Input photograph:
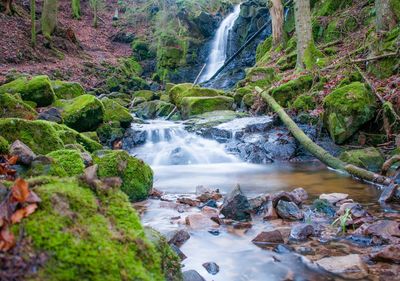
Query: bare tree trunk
[276,12]
[33,22]
[49,17]
[385,19]
[302,15]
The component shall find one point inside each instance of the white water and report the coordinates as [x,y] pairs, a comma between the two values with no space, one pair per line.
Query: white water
[219,47]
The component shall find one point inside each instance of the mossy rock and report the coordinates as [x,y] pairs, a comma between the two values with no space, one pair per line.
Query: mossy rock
[141,50]
[83,113]
[304,103]
[368,158]
[4,146]
[170,57]
[70,160]
[261,77]
[329,7]
[43,136]
[11,106]
[113,111]
[263,49]
[137,176]
[240,93]
[197,105]
[37,89]
[108,133]
[67,90]
[181,91]
[91,135]
[147,95]
[287,61]
[87,235]
[347,109]
[248,100]
[130,67]
[287,92]
[153,109]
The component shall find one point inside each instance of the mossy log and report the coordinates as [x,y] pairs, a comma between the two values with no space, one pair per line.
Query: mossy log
[318,151]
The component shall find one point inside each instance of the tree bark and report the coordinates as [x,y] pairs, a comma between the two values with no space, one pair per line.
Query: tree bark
[385,18]
[8,9]
[49,17]
[276,13]
[33,23]
[302,16]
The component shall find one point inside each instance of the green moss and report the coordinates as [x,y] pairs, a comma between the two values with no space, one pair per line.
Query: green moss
[197,105]
[137,177]
[350,77]
[263,49]
[91,135]
[261,77]
[153,109]
[90,237]
[369,158]
[113,111]
[329,7]
[10,106]
[130,67]
[395,5]
[83,113]
[286,92]
[141,50]
[240,93]
[287,61]
[145,94]
[248,100]
[110,132]
[37,89]
[346,109]
[181,91]
[4,146]
[67,90]
[170,57]
[304,103]
[313,57]
[70,160]
[388,111]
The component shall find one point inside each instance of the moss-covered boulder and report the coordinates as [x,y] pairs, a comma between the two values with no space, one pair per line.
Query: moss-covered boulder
[240,93]
[369,158]
[36,89]
[11,106]
[153,109]
[67,90]
[147,95]
[248,100]
[83,113]
[347,109]
[304,103]
[89,235]
[197,105]
[181,91]
[137,177]
[113,111]
[110,132]
[70,160]
[287,92]
[4,146]
[43,136]
[261,76]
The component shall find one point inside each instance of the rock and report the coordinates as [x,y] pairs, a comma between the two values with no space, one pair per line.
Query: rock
[256,203]
[192,275]
[69,160]
[192,106]
[389,254]
[153,109]
[36,89]
[207,196]
[210,203]
[346,109]
[200,221]
[23,152]
[300,195]
[389,193]
[179,252]
[155,193]
[13,107]
[210,212]
[206,23]
[288,210]
[283,249]
[83,113]
[179,238]
[301,232]
[370,158]
[386,231]
[211,267]
[288,91]
[133,137]
[356,210]
[188,201]
[67,90]
[305,251]
[87,159]
[236,206]
[333,198]
[350,266]
[52,114]
[113,111]
[323,206]
[267,238]
[242,225]
[181,91]
[270,212]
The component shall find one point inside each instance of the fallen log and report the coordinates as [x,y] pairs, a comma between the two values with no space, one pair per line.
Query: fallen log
[320,153]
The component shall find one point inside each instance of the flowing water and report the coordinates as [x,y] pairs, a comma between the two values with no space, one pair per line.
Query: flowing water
[219,45]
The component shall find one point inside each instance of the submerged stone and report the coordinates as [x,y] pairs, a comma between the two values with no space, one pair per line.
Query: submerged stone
[211,267]
[236,206]
[288,210]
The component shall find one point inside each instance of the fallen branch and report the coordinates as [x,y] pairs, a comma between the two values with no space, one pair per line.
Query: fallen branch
[389,163]
[377,57]
[318,151]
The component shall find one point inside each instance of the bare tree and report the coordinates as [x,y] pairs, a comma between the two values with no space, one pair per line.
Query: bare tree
[385,18]
[276,12]
[305,42]
[49,17]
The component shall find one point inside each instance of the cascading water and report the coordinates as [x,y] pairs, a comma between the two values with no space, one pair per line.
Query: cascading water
[219,45]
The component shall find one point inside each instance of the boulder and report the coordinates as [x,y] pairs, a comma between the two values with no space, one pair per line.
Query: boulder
[383,231]
[192,106]
[347,109]
[211,267]
[145,95]
[236,206]
[287,92]
[266,238]
[67,90]
[37,89]
[200,222]
[389,254]
[69,160]
[368,158]
[83,113]
[12,107]
[113,111]
[137,177]
[23,152]
[333,198]
[180,91]
[153,109]
[51,114]
[192,275]
[348,267]
[179,237]
[288,210]
[301,232]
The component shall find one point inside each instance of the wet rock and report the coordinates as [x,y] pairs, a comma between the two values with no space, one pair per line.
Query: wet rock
[179,237]
[210,203]
[178,251]
[242,225]
[266,238]
[389,193]
[350,266]
[52,114]
[300,195]
[305,251]
[323,206]
[270,213]
[284,195]
[283,249]
[356,210]
[155,193]
[192,275]
[390,254]
[133,137]
[236,206]
[301,232]
[288,210]
[188,201]
[214,232]
[257,203]
[211,267]
[23,152]
[280,145]
[210,212]
[200,221]
[385,231]
[333,198]
[207,196]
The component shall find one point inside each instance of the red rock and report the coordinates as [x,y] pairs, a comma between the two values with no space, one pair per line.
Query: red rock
[210,212]
[386,230]
[188,201]
[268,237]
[200,221]
[333,198]
[348,267]
[390,253]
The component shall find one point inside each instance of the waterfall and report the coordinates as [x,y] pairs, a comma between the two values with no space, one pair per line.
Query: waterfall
[219,45]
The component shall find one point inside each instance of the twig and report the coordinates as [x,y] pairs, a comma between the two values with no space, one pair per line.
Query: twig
[198,75]
[330,44]
[377,57]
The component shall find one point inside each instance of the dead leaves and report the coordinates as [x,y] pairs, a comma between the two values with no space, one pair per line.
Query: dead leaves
[19,203]
[6,171]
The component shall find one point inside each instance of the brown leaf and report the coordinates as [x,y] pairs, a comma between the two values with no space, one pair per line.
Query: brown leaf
[23,213]
[20,190]
[12,160]
[7,239]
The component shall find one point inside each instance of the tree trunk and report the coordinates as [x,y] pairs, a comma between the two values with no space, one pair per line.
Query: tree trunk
[276,12]
[95,23]
[8,9]
[385,19]
[49,17]
[33,23]
[302,16]
[76,9]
